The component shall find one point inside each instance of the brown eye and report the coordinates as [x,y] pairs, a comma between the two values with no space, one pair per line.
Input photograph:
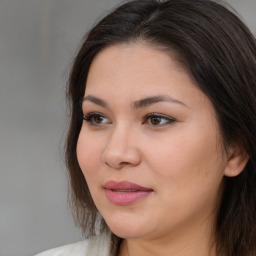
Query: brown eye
[96,119]
[155,120]
[158,120]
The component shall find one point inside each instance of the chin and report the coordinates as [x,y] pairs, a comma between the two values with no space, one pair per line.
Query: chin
[128,233]
[128,228]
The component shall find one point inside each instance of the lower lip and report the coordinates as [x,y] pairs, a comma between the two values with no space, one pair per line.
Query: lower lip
[125,198]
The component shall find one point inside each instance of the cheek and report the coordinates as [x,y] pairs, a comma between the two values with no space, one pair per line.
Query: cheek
[188,173]
[188,159]
[88,154]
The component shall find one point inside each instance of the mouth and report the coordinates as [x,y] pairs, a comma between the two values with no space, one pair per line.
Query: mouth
[125,192]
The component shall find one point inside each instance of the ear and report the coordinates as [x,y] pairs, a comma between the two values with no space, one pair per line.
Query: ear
[237,160]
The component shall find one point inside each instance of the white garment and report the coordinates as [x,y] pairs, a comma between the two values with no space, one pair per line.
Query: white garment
[95,246]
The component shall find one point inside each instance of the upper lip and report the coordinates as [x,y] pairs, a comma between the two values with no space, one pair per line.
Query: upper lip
[124,185]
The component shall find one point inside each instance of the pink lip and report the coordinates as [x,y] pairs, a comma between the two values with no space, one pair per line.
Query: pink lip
[125,192]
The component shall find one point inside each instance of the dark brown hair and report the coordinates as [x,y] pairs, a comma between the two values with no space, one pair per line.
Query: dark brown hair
[219,51]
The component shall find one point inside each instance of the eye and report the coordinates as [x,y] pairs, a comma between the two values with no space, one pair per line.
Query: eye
[155,119]
[96,119]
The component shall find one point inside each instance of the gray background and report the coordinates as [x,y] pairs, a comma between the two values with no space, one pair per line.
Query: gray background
[38,39]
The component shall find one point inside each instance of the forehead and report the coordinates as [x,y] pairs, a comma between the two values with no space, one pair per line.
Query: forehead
[127,53]
[132,64]
[137,71]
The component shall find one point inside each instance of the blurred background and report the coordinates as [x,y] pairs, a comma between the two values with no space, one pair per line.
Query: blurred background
[38,40]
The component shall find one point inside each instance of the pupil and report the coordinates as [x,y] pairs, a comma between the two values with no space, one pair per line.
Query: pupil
[155,120]
[98,119]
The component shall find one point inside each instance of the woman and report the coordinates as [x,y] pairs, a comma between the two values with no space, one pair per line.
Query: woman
[161,148]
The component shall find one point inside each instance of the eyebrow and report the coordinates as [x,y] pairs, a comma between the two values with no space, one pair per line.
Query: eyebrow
[155,99]
[96,101]
[137,104]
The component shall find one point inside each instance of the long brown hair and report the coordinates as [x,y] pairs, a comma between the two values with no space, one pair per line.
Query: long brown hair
[219,51]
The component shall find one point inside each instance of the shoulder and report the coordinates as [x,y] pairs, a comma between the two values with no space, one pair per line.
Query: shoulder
[76,249]
[95,246]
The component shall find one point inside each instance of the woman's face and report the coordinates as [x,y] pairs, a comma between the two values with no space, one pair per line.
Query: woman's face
[149,146]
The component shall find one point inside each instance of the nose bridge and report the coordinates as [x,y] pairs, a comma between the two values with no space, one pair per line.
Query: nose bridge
[120,136]
[121,148]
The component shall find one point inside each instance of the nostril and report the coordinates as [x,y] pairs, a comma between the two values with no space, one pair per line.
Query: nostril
[124,163]
[116,165]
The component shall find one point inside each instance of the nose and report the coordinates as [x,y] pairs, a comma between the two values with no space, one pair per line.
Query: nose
[121,149]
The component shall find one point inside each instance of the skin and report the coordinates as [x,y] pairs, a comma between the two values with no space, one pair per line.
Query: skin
[179,156]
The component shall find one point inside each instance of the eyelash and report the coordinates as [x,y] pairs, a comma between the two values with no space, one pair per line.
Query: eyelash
[90,119]
[167,119]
